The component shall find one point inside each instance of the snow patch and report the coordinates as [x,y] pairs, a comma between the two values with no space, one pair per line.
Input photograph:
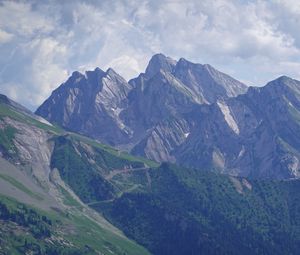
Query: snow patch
[242,152]
[218,159]
[186,135]
[117,111]
[40,119]
[228,117]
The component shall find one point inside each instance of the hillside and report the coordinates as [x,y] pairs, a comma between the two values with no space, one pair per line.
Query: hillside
[40,214]
[73,185]
[190,212]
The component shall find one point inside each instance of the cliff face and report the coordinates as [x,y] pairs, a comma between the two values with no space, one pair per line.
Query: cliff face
[255,134]
[90,103]
[188,113]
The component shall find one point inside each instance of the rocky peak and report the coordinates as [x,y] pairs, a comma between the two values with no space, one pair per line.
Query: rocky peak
[282,83]
[113,75]
[86,100]
[83,81]
[183,63]
[4,99]
[283,87]
[111,72]
[103,105]
[206,82]
[158,62]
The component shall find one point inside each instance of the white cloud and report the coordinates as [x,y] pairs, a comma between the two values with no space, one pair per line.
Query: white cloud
[20,18]
[5,37]
[41,42]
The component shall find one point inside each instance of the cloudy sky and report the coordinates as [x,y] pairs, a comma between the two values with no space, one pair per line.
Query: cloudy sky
[43,42]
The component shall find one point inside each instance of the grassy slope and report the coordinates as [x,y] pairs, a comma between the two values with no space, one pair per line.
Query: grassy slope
[85,170]
[74,225]
[78,229]
[189,212]
[113,151]
[171,210]
[8,111]
[67,233]
[186,211]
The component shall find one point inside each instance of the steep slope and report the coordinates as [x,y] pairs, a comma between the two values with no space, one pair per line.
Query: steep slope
[256,134]
[192,212]
[206,82]
[187,211]
[167,209]
[90,103]
[39,211]
[159,111]
[129,115]
[192,114]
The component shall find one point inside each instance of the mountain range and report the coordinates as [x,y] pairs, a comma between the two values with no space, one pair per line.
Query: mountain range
[188,114]
[182,159]
[64,193]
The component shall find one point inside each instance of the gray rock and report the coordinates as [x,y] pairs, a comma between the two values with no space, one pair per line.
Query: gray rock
[187,113]
[90,103]
[256,134]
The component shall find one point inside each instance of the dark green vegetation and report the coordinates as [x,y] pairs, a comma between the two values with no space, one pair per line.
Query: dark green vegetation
[26,230]
[193,212]
[167,209]
[7,147]
[177,210]
[38,225]
[85,168]
[77,172]
[66,229]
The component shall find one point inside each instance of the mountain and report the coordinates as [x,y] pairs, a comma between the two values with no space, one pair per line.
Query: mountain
[140,115]
[40,213]
[255,134]
[189,114]
[64,193]
[90,103]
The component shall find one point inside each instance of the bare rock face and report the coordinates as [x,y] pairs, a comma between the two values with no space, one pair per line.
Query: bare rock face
[255,134]
[137,115]
[206,82]
[90,103]
[163,139]
[187,113]
[33,148]
[160,62]
[164,96]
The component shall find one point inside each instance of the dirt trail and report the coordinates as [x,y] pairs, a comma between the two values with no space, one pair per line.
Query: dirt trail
[123,171]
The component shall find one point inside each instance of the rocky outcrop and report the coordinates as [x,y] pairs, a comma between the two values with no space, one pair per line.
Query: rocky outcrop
[256,134]
[137,115]
[187,113]
[90,103]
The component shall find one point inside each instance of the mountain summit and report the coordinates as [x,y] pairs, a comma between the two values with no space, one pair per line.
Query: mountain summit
[90,102]
[189,113]
[160,62]
[106,107]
